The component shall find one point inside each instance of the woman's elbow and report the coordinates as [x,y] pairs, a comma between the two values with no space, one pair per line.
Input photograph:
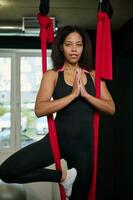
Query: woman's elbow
[42,109]
[38,112]
[112,110]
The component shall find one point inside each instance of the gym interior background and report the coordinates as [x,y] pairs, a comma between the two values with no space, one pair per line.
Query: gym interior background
[20,59]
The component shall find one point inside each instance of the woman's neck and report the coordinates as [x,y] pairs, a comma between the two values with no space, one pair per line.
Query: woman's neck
[70,67]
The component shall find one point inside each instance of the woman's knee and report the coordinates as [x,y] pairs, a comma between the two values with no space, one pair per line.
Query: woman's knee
[6,174]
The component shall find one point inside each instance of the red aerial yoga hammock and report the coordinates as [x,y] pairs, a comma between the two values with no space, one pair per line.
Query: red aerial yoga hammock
[47,35]
[103,68]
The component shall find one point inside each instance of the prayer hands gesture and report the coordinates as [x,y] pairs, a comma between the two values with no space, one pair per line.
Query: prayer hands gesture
[78,85]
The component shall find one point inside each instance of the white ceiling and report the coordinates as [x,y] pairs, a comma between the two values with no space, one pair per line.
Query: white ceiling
[79,12]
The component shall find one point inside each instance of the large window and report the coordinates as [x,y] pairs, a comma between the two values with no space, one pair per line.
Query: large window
[20,77]
[5,101]
[32,128]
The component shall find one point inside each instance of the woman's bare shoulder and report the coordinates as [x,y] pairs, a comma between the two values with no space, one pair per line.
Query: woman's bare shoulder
[50,76]
[50,72]
[92,73]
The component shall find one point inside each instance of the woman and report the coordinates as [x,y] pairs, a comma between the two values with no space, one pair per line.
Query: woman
[71,84]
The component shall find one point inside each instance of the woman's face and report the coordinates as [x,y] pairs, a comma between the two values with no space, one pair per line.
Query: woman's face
[73,47]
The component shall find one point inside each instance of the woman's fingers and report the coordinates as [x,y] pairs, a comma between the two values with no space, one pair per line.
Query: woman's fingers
[78,74]
[76,85]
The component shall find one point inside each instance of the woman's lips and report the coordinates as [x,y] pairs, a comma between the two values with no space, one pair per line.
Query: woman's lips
[73,55]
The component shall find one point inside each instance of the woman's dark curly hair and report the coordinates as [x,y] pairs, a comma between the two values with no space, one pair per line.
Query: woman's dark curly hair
[57,55]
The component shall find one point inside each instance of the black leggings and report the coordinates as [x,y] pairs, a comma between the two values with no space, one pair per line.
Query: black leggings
[28,165]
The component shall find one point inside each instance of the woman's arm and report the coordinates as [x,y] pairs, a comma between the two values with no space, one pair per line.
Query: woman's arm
[105,103]
[44,105]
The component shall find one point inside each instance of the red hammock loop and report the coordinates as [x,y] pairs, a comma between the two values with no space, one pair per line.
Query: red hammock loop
[101,16]
[47,35]
[46,26]
[103,68]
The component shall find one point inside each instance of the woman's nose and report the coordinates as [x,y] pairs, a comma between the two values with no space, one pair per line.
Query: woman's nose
[74,48]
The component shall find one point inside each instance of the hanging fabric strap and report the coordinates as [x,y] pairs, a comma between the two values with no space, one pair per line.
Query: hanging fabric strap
[103,68]
[47,35]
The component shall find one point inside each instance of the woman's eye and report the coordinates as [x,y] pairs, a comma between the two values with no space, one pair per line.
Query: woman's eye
[79,45]
[68,44]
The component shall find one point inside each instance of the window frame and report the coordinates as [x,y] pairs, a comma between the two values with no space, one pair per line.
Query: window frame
[15,95]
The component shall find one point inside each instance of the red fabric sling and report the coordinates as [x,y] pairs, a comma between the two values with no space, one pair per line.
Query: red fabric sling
[47,35]
[103,67]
